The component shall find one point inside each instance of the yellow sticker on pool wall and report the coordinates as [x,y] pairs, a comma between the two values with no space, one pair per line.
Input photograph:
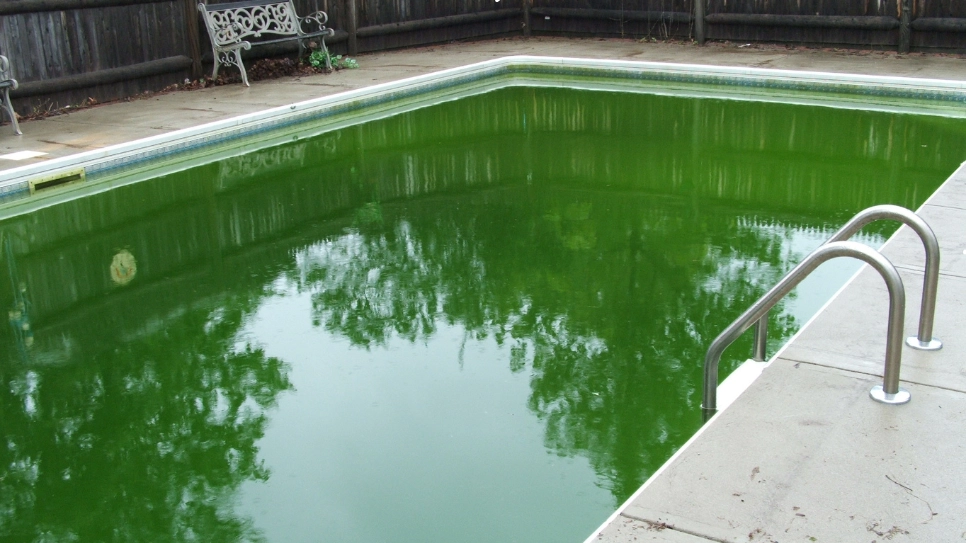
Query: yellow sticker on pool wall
[123,267]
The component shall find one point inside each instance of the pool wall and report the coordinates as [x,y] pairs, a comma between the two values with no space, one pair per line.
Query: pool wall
[190,145]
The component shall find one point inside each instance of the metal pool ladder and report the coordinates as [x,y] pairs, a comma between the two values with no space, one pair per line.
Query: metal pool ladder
[889,391]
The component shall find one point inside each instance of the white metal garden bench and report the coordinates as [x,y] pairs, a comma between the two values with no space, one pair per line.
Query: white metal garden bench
[7,84]
[231,25]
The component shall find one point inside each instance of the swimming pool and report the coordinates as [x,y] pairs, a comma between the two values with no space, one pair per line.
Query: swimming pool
[419,327]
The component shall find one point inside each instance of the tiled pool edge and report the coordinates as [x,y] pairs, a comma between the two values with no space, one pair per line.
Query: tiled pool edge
[14,183]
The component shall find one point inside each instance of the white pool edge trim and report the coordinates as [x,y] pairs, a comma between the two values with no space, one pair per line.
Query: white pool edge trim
[279,116]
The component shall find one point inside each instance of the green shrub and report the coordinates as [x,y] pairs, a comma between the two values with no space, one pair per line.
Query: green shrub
[318,60]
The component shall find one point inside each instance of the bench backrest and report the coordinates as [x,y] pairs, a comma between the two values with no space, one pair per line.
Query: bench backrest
[232,22]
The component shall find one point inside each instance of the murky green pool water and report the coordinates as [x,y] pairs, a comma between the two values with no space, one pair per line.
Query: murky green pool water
[480,321]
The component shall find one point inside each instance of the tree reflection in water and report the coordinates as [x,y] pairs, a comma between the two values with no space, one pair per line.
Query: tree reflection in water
[146,441]
[604,297]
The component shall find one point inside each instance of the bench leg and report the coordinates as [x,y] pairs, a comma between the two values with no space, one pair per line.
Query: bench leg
[241,67]
[229,58]
[214,73]
[8,107]
[328,59]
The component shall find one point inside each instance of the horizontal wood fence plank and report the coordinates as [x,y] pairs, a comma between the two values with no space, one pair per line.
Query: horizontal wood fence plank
[438,22]
[337,36]
[15,7]
[936,24]
[102,77]
[809,21]
[615,14]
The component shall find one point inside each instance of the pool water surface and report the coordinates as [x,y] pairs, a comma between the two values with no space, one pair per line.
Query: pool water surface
[483,320]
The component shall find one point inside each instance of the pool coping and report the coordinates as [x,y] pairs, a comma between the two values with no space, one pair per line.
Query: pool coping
[15,182]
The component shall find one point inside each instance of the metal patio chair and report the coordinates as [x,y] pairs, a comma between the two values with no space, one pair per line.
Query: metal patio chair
[7,84]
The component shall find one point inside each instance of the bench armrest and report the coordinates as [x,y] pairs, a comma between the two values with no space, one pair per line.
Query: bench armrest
[5,74]
[318,19]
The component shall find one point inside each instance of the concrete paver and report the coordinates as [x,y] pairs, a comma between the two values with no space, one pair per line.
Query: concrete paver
[952,198]
[856,338]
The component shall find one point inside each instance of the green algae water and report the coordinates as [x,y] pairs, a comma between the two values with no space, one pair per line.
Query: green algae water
[479,321]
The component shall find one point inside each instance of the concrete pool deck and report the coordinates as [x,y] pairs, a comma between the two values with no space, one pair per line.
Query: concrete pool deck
[804,454]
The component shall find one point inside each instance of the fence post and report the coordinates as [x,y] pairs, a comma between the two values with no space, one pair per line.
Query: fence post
[353,24]
[905,23]
[526,18]
[699,24]
[194,39]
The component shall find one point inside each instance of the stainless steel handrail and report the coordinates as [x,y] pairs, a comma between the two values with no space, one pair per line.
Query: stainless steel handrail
[889,392]
[924,340]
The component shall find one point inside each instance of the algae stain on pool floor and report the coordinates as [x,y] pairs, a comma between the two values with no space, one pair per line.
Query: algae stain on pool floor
[478,321]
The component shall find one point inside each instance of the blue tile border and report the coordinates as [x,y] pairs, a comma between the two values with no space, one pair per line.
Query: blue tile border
[14,183]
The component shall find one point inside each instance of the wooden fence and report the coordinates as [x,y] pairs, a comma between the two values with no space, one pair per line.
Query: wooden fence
[66,52]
